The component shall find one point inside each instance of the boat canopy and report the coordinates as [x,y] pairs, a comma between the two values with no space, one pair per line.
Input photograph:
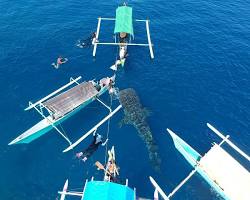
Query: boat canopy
[70,99]
[101,190]
[230,175]
[123,20]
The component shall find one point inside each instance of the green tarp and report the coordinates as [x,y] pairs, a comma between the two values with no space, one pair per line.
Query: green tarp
[123,20]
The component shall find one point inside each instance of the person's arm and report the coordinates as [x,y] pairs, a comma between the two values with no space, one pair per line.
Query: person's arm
[64,60]
[94,134]
[104,143]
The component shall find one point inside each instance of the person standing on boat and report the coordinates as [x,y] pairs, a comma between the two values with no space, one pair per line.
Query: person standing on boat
[97,141]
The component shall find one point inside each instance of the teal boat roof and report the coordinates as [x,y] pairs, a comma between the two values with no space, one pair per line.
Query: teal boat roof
[101,190]
[123,20]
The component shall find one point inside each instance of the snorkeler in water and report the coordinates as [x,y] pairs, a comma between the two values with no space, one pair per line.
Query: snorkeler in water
[60,60]
[88,41]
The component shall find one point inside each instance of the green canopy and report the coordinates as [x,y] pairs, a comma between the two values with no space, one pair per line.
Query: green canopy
[123,20]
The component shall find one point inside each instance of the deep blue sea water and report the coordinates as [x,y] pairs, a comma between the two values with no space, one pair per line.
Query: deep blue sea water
[201,73]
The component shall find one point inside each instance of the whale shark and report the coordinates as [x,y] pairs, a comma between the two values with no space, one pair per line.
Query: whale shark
[135,114]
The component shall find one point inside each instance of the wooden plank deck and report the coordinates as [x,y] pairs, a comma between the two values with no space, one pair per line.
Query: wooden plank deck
[70,99]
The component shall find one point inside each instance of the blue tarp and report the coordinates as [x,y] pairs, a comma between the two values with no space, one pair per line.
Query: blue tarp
[101,190]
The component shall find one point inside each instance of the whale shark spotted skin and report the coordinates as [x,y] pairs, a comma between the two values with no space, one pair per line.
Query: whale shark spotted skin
[135,114]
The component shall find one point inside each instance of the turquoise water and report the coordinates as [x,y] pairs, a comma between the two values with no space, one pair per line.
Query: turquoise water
[200,74]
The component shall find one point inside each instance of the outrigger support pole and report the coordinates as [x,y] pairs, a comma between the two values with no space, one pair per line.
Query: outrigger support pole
[79,194]
[183,182]
[52,124]
[242,153]
[110,110]
[92,130]
[149,40]
[117,43]
[164,196]
[158,188]
[97,35]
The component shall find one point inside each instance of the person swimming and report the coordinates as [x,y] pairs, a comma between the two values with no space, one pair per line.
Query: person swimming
[60,60]
[88,41]
[97,141]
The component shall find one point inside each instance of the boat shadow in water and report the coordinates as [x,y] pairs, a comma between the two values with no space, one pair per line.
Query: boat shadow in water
[136,115]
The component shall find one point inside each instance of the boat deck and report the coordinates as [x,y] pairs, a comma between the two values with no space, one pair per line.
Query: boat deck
[102,190]
[70,99]
[224,170]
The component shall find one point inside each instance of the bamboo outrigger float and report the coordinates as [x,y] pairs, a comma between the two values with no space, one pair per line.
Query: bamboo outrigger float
[124,32]
[223,172]
[59,106]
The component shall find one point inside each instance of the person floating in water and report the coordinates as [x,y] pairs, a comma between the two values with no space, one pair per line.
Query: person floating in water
[97,141]
[88,42]
[60,61]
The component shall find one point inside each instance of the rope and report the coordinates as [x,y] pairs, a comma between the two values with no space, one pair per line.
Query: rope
[64,132]
[107,134]
[117,52]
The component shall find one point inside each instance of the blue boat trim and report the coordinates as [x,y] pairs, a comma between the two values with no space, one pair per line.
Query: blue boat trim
[102,190]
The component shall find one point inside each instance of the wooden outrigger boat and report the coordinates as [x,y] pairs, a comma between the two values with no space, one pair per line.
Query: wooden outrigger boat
[223,172]
[124,33]
[60,105]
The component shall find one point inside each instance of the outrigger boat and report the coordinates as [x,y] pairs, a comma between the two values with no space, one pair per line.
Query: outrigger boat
[124,33]
[106,189]
[222,171]
[60,105]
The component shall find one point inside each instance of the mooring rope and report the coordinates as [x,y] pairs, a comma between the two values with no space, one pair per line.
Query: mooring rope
[108,129]
[64,132]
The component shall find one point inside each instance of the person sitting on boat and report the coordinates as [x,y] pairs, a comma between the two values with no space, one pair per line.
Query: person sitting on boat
[97,141]
[122,53]
[60,61]
[112,170]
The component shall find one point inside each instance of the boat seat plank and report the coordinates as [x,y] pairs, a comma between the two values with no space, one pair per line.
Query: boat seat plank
[70,99]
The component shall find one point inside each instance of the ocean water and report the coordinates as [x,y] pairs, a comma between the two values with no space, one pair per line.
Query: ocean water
[200,74]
